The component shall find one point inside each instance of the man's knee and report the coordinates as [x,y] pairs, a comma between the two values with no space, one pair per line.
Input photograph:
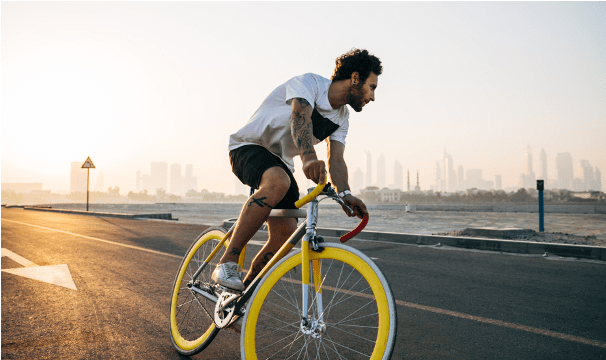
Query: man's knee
[277,180]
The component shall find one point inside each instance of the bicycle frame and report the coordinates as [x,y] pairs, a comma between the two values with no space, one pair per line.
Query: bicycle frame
[302,232]
[305,232]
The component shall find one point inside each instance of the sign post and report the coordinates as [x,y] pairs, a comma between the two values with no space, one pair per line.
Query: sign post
[540,186]
[88,164]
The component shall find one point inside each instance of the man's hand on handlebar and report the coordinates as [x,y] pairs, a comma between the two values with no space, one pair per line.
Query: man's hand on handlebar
[315,170]
[356,205]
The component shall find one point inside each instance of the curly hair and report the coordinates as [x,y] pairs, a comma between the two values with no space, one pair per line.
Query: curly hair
[356,60]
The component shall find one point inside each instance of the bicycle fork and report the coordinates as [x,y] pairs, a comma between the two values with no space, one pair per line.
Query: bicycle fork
[311,325]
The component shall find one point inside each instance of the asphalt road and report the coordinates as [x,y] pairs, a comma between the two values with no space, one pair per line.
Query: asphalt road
[451,304]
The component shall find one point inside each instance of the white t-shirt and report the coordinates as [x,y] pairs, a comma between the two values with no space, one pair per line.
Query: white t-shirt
[270,124]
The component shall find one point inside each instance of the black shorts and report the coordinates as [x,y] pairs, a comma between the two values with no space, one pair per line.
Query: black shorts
[249,162]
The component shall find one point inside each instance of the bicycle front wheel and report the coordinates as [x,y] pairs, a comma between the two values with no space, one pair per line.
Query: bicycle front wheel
[353,317]
[192,325]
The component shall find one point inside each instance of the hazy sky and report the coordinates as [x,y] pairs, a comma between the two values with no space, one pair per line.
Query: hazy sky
[131,83]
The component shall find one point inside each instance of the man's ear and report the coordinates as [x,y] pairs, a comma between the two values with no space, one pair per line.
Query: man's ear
[355,77]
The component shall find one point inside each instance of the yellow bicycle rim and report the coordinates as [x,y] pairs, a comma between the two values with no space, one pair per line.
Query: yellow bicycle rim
[328,253]
[179,340]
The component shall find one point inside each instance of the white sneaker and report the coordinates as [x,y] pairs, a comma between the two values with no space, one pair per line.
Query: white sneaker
[228,275]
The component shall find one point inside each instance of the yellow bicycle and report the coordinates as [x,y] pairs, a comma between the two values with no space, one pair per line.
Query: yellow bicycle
[322,301]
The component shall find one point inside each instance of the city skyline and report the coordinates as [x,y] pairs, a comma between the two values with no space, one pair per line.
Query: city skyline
[160,87]
[585,178]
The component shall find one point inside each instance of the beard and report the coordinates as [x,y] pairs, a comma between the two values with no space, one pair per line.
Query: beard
[356,98]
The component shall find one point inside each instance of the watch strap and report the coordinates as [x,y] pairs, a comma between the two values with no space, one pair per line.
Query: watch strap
[344,193]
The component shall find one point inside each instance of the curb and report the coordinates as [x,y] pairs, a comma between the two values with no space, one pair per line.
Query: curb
[166,216]
[508,246]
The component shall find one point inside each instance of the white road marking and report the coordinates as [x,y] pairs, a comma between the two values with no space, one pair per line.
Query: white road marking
[21,260]
[100,240]
[520,327]
[52,274]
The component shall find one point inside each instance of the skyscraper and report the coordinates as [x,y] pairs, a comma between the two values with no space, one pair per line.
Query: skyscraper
[398,176]
[159,176]
[498,184]
[586,175]
[191,182]
[543,158]
[368,169]
[176,179]
[358,181]
[449,176]
[564,169]
[528,160]
[528,179]
[438,177]
[474,178]
[460,178]
[381,171]
[597,180]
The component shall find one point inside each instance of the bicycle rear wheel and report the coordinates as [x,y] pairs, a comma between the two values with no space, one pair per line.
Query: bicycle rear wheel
[192,325]
[358,310]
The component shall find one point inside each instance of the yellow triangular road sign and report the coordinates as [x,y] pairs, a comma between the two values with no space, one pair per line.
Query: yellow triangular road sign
[88,164]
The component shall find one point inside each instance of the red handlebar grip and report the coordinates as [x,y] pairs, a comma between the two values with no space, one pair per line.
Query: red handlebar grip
[357,230]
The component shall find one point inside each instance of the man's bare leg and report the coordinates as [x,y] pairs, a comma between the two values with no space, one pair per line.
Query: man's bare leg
[274,185]
[280,230]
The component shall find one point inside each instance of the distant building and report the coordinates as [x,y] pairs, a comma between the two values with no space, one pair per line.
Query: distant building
[460,178]
[191,182]
[22,188]
[390,195]
[528,179]
[597,180]
[176,180]
[381,171]
[159,176]
[449,176]
[498,184]
[398,176]
[474,179]
[564,169]
[418,187]
[438,175]
[358,181]
[543,163]
[157,179]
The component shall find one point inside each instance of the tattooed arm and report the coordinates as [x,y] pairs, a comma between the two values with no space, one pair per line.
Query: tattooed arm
[339,177]
[302,134]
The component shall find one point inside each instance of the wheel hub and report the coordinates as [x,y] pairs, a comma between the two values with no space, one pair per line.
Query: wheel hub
[314,327]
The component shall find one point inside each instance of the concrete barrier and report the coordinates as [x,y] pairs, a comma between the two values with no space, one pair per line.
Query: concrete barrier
[510,208]
[165,216]
[508,246]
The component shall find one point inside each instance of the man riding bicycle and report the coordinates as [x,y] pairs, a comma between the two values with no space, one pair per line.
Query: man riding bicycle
[296,116]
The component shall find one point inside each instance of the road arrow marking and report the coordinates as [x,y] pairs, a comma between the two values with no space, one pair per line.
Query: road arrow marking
[52,274]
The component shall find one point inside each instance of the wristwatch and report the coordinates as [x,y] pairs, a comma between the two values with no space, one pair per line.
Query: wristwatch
[344,193]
